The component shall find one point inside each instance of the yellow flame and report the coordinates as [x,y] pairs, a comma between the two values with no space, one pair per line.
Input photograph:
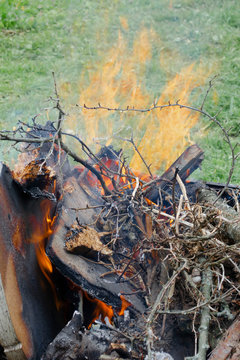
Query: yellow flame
[161,135]
[168,130]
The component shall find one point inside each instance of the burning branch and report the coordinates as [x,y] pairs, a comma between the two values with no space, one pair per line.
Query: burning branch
[212,118]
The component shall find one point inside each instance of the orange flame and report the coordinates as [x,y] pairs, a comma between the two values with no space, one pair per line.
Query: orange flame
[44,262]
[161,136]
[42,230]
[103,311]
[125,305]
[39,238]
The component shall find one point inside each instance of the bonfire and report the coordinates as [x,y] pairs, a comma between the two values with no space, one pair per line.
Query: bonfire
[102,261]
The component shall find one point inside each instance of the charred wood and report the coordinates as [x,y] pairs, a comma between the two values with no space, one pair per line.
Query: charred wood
[84,272]
[186,164]
[75,342]
[28,295]
[67,344]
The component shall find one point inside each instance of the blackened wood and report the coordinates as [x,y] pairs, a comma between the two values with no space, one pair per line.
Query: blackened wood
[67,344]
[231,228]
[220,186]
[83,272]
[29,297]
[186,164]
[76,343]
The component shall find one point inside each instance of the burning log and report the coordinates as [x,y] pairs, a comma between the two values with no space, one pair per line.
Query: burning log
[75,343]
[29,297]
[86,274]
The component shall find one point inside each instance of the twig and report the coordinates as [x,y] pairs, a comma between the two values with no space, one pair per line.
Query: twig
[184,192]
[178,214]
[173,191]
[131,141]
[208,90]
[157,212]
[135,189]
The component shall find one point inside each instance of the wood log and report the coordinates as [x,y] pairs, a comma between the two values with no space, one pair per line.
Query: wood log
[187,163]
[67,344]
[231,228]
[29,298]
[229,347]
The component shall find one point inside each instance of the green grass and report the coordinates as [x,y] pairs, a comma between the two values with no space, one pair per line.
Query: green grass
[70,37]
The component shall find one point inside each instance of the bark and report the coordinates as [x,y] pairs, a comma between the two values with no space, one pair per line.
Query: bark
[229,347]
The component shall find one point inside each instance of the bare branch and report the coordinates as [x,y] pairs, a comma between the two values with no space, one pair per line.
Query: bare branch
[208,90]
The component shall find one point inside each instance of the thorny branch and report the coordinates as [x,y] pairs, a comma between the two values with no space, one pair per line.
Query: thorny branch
[131,141]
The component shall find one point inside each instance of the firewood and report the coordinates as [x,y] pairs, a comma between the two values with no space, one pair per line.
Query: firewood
[67,344]
[76,343]
[187,163]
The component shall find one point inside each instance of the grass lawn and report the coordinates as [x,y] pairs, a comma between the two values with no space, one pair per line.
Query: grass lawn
[75,39]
